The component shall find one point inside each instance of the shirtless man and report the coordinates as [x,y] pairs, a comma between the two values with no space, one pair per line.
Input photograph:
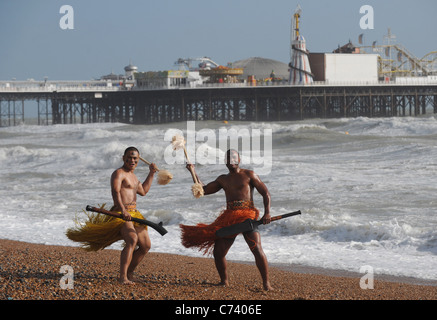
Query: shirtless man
[125,186]
[238,186]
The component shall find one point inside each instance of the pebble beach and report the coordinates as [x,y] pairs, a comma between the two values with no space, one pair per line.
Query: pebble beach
[33,272]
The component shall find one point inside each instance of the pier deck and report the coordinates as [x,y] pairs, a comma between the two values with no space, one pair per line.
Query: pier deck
[82,104]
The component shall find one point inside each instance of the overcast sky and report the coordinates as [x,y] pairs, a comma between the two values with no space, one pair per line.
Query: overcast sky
[154,34]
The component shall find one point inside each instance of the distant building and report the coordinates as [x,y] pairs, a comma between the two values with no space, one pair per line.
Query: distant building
[113,77]
[347,48]
[130,70]
[338,67]
[159,79]
[260,69]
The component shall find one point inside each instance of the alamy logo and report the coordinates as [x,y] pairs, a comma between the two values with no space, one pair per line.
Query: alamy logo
[67,20]
[67,281]
[366,281]
[366,21]
[208,146]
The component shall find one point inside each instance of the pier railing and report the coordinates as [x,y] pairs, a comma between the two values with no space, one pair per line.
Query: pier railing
[108,86]
[65,86]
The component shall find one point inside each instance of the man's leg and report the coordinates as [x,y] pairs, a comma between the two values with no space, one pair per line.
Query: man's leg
[221,248]
[144,245]
[253,239]
[130,237]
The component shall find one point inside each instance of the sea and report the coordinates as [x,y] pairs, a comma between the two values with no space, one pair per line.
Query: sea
[366,187]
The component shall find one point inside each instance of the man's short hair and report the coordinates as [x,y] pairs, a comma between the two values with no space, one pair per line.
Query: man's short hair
[130,149]
[228,153]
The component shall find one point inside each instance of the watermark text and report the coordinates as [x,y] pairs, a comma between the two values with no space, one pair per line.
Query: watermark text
[366,281]
[67,20]
[208,146]
[367,20]
[67,281]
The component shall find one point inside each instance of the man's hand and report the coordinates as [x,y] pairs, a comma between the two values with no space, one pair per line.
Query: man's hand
[126,215]
[153,168]
[266,219]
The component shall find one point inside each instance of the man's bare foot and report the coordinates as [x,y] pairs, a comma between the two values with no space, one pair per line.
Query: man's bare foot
[131,277]
[126,282]
[268,287]
[224,283]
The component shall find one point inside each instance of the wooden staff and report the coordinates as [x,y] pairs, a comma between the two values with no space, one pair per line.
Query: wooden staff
[248,225]
[164,176]
[157,226]
[178,142]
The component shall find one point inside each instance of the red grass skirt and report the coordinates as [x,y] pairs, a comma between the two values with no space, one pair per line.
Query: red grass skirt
[202,236]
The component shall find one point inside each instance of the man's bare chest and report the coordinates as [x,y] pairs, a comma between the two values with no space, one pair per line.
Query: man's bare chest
[130,182]
[236,183]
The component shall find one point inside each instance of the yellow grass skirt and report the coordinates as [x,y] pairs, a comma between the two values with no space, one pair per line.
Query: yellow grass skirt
[99,231]
[202,236]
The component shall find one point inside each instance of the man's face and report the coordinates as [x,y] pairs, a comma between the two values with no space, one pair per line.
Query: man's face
[232,160]
[131,159]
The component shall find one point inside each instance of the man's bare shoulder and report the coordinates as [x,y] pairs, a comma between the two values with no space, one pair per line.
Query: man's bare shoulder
[251,175]
[247,172]
[221,178]
[118,173]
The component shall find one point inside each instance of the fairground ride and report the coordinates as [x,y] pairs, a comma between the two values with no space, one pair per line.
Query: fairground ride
[397,61]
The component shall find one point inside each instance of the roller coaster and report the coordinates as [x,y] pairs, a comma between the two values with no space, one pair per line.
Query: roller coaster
[397,61]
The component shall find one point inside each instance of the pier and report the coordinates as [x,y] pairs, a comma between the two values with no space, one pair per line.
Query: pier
[90,102]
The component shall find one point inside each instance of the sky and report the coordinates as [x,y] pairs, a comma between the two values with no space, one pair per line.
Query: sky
[107,35]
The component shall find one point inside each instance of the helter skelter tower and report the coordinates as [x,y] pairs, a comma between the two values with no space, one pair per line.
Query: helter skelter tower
[300,70]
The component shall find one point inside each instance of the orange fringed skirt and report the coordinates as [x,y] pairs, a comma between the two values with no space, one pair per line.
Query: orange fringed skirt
[202,236]
[100,231]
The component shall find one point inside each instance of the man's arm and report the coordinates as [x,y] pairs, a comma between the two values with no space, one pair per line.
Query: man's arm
[211,187]
[145,187]
[262,189]
[116,182]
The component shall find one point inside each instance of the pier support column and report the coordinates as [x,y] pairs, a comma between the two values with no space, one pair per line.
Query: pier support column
[434,103]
